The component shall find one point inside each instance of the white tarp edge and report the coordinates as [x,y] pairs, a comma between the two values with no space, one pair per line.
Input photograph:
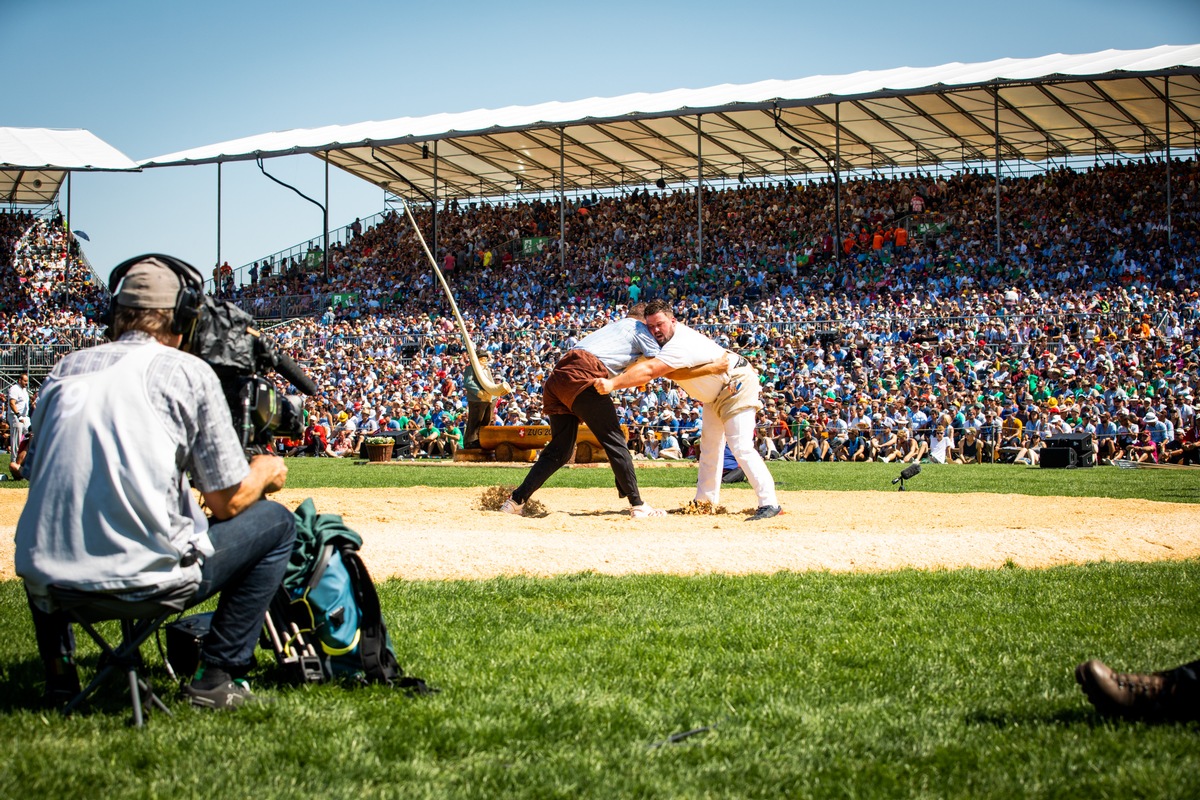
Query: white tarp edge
[48,148]
[1106,62]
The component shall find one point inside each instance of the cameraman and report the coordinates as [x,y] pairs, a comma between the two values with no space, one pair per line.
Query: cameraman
[110,509]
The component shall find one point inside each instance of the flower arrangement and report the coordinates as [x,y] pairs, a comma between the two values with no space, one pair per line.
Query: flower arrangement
[380,440]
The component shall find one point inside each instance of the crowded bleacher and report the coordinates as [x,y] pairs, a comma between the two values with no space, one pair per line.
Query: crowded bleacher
[48,292]
[908,338]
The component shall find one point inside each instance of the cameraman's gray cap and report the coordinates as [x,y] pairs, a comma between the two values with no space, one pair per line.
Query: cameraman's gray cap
[149,283]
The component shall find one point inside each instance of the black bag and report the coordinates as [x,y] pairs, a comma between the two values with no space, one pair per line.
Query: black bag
[185,636]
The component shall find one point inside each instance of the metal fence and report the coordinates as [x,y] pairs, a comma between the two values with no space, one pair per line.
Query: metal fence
[35,359]
[284,307]
[282,260]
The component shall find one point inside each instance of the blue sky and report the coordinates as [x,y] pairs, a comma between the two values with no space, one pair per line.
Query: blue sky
[157,76]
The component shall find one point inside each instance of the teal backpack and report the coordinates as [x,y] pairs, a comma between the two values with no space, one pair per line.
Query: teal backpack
[325,621]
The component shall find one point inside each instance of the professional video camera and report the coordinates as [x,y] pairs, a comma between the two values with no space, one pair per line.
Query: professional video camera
[240,354]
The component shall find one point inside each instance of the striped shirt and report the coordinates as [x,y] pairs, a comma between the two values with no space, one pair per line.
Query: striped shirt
[188,398]
[108,509]
[619,344]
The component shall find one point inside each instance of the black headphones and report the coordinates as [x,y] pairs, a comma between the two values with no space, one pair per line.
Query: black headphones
[189,302]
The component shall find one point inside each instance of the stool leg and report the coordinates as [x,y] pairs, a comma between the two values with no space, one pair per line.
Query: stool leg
[133,662]
[126,657]
[154,698]
[135,696]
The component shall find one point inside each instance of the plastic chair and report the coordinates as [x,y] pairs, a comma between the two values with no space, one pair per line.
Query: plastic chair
[139,619]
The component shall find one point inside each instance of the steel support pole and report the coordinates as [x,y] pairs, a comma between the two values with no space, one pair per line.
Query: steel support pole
[67,244]
[325,221]
[1167,112]
[434,205]
[562,200]
[217,271]
[324,208]
[996,122]
[837,182]
[699,196]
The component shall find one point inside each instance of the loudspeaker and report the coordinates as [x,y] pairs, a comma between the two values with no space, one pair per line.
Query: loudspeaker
[1079,443]
[1058,458]
[1072,440]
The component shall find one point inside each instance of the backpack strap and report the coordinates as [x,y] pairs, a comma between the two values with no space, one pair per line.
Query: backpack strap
[378,661]
[299,612]
[318,569]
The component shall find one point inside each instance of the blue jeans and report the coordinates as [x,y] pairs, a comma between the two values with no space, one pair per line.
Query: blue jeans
[252,552]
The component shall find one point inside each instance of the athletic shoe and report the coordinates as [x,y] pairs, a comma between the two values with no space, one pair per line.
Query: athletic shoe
[765,512]
[230,694]
[62,684]
[1174,694]
[513,507]
[644,510]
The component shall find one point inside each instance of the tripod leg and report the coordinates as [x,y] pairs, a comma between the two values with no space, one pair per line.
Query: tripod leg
[135,697]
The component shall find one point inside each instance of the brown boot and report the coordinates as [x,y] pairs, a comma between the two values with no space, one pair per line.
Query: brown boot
[1170,695]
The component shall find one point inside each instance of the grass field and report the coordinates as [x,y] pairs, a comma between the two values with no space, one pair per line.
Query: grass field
[1166,485]
[903,684]
[1173,486]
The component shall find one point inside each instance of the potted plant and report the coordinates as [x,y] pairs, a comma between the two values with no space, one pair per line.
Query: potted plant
[379,448]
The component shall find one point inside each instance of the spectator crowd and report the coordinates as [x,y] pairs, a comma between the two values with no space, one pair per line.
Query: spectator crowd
[48,292]
[906,338]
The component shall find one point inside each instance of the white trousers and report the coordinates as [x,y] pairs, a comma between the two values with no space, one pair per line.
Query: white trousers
[16,432]
[738,430]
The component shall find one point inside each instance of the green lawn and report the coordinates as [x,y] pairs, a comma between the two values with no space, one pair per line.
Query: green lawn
[909,684]
[905,684]
[1176,486]
[1167,485]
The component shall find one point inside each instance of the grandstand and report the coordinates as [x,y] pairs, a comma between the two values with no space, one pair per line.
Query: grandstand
[50,297]
[888,291]
[939,325]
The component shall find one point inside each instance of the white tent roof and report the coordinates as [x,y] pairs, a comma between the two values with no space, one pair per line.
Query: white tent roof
[33,161]
[1115,101]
